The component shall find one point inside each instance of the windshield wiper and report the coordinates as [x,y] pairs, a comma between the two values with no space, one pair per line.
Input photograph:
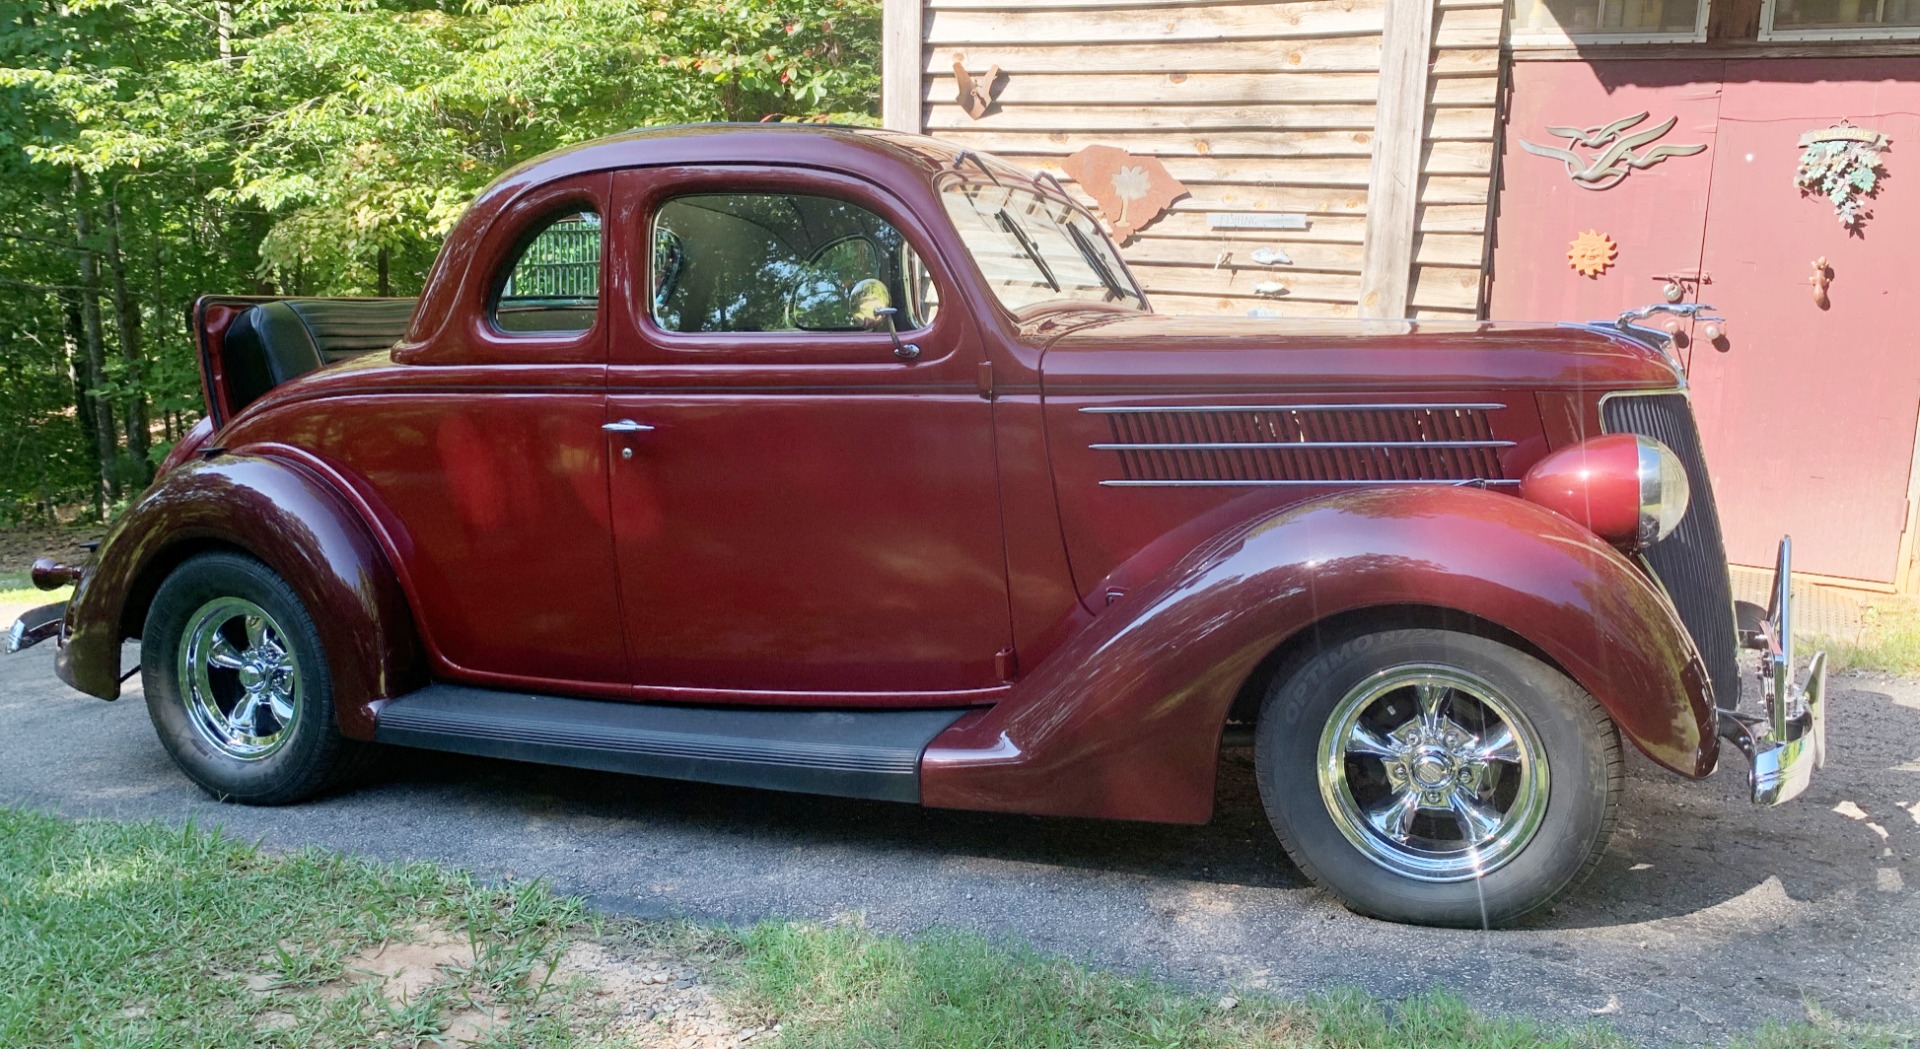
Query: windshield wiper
[1115,290]
[1027,245]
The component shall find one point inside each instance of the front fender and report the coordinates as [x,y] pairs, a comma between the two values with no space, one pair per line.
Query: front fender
[1124,720]
[292,521]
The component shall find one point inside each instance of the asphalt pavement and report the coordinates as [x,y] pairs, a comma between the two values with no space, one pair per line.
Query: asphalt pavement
[1707,918]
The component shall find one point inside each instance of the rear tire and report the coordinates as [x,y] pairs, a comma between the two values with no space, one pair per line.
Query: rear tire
[237,684]
[1437,777]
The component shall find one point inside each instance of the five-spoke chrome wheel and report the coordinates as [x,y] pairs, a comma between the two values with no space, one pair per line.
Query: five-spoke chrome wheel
[240,679]
[1432,773]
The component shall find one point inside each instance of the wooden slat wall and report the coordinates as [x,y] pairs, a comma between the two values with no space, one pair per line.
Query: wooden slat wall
[1257,105]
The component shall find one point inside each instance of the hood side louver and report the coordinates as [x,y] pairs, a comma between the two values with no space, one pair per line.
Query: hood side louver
[1303,445]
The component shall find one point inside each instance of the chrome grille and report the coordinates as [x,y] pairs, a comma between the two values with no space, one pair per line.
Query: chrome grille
[1692,562]
[1303,444]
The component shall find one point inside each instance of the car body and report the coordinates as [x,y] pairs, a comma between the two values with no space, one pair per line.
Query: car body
[854,462]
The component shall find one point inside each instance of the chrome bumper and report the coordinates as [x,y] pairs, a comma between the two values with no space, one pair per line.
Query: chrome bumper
[35,626]
[1790,742]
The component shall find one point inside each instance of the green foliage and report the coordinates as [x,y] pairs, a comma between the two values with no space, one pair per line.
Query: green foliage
[155,150]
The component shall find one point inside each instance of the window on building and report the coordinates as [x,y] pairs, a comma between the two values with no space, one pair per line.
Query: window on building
[1838,19]
[1607,21]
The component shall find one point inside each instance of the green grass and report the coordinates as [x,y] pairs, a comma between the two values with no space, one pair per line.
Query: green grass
[17,589]
[1889,640]
[116,934]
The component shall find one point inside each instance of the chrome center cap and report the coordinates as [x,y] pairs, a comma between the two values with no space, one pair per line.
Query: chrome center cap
[251,676]
[1432,769]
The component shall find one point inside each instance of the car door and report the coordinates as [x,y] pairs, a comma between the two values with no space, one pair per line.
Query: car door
[481,456]
[803,512]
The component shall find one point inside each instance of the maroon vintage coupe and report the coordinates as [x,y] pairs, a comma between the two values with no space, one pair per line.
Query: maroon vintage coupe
[852,462]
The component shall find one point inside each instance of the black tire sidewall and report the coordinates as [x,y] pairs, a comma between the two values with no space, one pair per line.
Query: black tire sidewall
[303,763]
[1578,740]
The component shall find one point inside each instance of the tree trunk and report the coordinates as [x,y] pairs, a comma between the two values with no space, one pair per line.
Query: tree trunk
[383,270]
[126,317]
[83,400]
[223,30]
[93,342]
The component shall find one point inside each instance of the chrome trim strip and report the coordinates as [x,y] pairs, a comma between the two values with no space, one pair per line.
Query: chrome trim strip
[1231,445]
[1471,482]
[1103,409]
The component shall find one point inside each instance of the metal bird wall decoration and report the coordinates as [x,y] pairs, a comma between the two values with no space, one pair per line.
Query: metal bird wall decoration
[1618,157]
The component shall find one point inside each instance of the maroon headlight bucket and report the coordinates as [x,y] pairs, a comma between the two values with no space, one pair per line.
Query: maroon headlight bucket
[1629,490]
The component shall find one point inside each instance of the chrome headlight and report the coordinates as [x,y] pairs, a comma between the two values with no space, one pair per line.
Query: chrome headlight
[1664,491]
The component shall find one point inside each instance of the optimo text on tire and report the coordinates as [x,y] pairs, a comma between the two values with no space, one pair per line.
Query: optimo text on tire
[1438,777]
[237,684]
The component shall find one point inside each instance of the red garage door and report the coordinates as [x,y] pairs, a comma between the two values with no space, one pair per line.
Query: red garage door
[1808,413]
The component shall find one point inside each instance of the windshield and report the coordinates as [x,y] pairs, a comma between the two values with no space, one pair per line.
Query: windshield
[1033,250]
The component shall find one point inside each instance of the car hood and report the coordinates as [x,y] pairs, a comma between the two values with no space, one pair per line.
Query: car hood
[1158,351]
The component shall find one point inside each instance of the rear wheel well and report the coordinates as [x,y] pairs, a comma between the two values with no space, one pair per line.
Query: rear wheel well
[1337,629]
[133,614]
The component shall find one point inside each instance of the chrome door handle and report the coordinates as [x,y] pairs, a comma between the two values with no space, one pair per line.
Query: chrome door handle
[627,426]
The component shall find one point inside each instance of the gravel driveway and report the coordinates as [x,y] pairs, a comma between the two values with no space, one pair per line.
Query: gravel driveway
[1707,917]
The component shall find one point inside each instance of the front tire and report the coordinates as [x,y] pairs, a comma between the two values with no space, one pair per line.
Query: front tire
[1437,777]
[237,684]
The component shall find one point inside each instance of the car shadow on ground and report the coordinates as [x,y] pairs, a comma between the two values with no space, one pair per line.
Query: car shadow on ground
[1847,846]
[1237,847]
[1682,847]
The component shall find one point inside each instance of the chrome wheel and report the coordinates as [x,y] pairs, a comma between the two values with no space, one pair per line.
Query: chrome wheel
[1432,773]
[239,678]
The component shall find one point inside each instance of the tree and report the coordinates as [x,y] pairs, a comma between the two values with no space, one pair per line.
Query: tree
[154,150]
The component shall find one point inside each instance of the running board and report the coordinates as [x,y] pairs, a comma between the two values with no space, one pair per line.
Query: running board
[855,754]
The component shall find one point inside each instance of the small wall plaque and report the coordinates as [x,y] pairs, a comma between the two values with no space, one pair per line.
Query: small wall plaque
[1256,220]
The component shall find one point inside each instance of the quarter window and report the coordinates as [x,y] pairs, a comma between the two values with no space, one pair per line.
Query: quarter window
[553,284]
[783,262]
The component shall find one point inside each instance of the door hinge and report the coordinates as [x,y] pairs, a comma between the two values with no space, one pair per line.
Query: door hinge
[1006,664]
[985,379]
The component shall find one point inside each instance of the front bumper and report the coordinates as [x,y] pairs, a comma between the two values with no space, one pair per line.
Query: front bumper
[36,625]
[1789,743]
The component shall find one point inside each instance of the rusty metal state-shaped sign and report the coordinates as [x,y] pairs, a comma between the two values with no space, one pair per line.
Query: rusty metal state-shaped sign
[1619,154]
[1131,191]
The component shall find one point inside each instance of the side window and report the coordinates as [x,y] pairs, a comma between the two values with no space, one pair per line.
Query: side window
[783,262]
[553,284]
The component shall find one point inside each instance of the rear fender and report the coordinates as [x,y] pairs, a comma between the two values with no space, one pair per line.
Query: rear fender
[1124,720]
[292,521]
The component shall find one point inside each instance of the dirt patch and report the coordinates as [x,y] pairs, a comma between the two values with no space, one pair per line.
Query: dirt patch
[658,999]
[20,546]
[403,970]
[654,998]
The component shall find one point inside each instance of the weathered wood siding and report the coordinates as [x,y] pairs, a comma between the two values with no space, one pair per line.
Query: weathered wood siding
[1268,105]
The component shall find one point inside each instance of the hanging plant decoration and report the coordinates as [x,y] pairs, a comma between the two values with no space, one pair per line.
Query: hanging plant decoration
[1591,253]
[1842,164]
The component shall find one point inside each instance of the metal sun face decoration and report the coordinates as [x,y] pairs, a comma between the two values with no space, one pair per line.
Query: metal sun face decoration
[1619,154]
[1131,191]
[1591,253]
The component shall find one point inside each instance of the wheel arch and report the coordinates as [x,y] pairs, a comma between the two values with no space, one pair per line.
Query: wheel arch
[1342,626]
[289,519]
[1124,720]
